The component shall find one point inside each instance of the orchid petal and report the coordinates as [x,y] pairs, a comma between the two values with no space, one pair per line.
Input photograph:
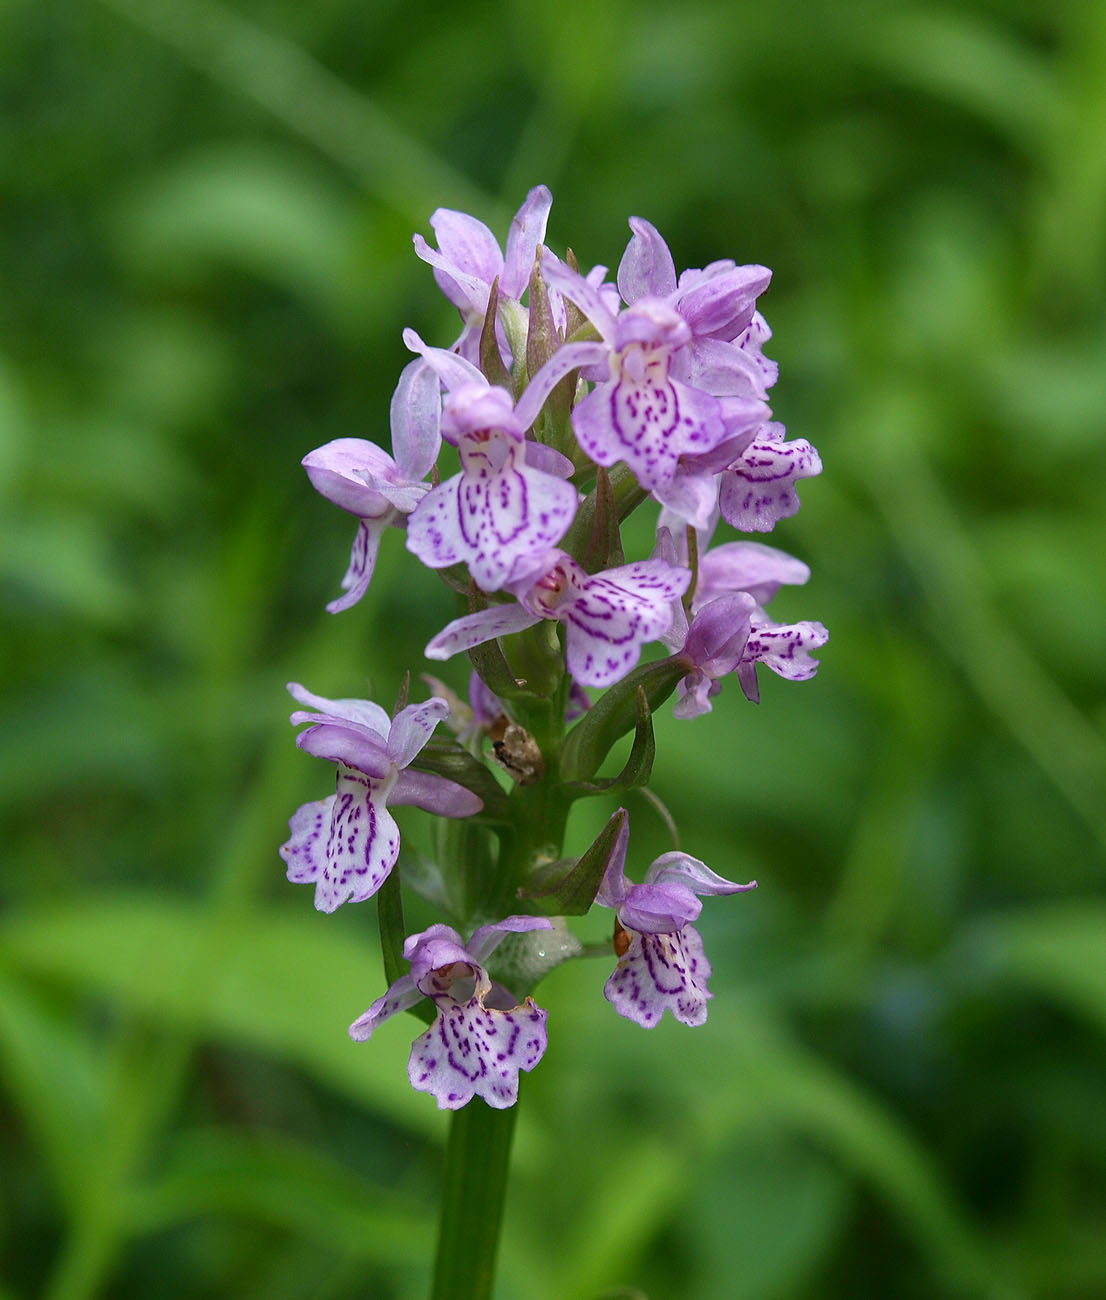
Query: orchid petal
[658,908]
[688,872]
[722,304]
[750,567]
[567,358]
[646,269]
[344,471]
[487,938]
[474,629]
[360,847]
[435,794]
[659,973]
[399,997]
[526,233]
[648,424]
[452,370]
[467,242]
[548,460]
[304,852]
[416,420]
[362,562]
[343,743]
[785,648]
[412,727]
[472,1051]
[758,490]
[362,712]
[558,275]
[611,616]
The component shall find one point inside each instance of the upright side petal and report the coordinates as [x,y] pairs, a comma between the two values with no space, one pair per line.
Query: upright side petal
[487,938]
[682,869]
[526,233]
[467,243]
[362,712]
[412,727]
[416,416]
[646,269]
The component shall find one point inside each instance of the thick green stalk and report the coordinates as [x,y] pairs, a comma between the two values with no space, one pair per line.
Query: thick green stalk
[477,1164]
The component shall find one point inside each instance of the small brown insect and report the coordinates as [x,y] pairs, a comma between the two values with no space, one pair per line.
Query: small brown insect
[622,939]
[518,752]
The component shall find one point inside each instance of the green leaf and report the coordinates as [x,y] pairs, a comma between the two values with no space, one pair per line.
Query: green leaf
[594,538]
[568,887]
[491,363]
[284,983]
[615,714]
[1059,950]
[639,765]
[53,1074]
[266,1178]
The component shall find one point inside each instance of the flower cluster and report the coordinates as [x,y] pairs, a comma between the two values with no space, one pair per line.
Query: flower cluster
[569,401]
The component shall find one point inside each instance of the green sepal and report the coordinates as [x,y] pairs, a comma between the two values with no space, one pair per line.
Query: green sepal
[553,426]
[615,714]
[594,539]
[389,915]
[449,758]
[638,767]
[495,672]
[542,339]
[628,492]
[574,317]
[404,694]
[568,886]
[491,363]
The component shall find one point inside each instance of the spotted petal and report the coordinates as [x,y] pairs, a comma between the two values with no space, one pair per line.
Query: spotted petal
[613,614]
[362,562]
[648,424]
[474,629]
[399,997]
[473,1051]
[659,973]
[346,844]
[784,648]
[758,490]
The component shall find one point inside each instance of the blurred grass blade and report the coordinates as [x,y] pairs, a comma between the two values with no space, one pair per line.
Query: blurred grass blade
[284,984]
[266,1178]
[299,91]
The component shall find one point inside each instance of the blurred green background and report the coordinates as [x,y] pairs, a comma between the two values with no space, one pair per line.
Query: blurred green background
[206,265]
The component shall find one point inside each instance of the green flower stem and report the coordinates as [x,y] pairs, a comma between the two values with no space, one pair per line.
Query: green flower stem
[477,1163]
